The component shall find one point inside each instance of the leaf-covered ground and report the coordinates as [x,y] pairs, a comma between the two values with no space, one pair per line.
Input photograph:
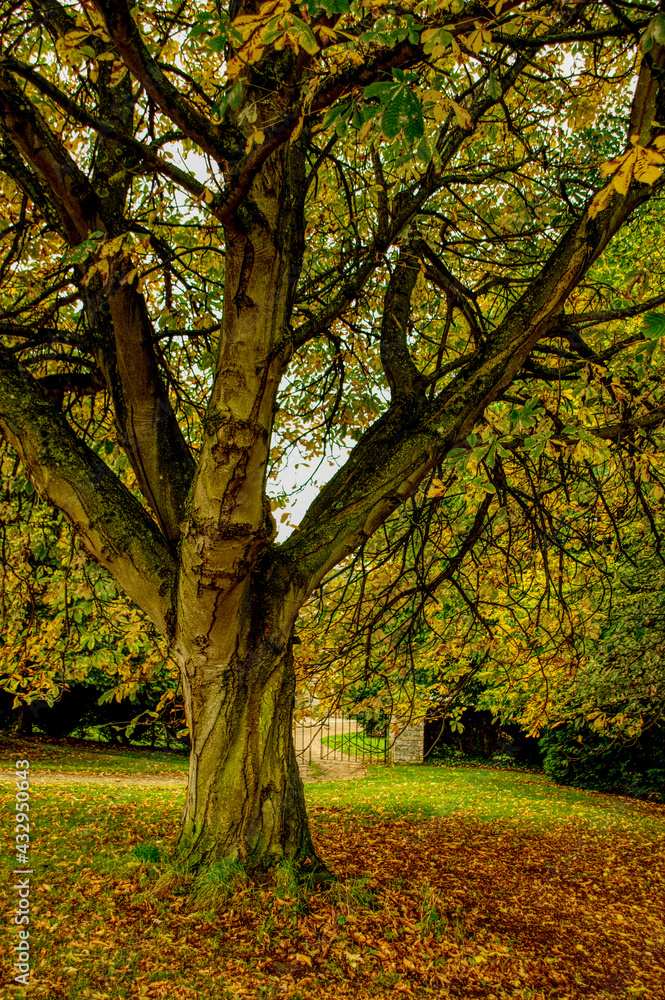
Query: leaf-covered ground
[465,904]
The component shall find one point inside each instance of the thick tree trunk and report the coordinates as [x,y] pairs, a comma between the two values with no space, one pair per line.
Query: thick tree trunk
[245,798]
[232,632]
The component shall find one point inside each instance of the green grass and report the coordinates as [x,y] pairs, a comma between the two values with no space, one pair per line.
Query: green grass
[73,756]
[486,793]
[116,918]
[356,743]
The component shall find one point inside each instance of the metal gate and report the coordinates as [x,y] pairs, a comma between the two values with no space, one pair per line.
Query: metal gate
[338,737]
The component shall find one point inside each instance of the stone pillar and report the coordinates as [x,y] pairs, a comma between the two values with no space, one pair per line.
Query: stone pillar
[408,747]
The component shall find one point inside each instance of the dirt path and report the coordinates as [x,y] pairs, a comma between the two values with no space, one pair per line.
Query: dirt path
[319,771]
[316,760]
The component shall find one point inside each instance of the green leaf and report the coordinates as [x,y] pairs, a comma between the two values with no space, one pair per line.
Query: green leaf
[493,86]
[391,121]
[305,36]
[424,151]
[657,27]
[654,325]
[234,97]
[335,6]
[334,113]
[414,129]
[378,90]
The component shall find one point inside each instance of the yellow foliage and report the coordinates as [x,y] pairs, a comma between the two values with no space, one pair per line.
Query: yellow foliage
[273,24]
[643,163]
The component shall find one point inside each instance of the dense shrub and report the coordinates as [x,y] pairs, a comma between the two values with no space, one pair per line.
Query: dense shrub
[585,759]
[483,738]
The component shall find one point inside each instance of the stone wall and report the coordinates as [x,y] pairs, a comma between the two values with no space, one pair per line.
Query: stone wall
[409,744]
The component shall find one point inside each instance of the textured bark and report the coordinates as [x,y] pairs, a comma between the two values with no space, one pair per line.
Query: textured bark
[114,527]
[245,796]
[233,629]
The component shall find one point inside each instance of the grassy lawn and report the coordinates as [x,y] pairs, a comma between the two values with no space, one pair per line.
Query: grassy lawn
[85,756]
[454,882]
[487,794]
[356,743]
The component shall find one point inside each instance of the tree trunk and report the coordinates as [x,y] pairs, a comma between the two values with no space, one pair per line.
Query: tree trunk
[245,797]
[24,718]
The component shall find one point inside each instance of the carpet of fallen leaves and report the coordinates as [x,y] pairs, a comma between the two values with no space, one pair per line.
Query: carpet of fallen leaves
[436,907]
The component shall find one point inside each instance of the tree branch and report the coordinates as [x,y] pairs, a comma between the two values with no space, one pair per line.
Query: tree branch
[607,315]
[408,204]
[404,379]
[224,144]
[75,201]
[114,527]
[396,453]
[125,351]
[144,154]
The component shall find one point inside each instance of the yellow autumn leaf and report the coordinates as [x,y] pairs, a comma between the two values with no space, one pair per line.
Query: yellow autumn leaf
[247,24]
[642,162]
[462,115]
[326,35]
[117,73]
[436,489]
[72,38]
[286,39]
[253,51]
[647,173]
[111,247]
[624,175]
[365,130]
[233,67]
[256,139]
[610,166]
[440,112]
[475,41]
[298,129]
[648,164]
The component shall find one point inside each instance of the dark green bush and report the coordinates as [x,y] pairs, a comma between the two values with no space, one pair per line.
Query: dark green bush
[584,759]
[482,739]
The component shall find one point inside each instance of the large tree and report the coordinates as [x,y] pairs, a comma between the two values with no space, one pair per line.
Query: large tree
[231,231]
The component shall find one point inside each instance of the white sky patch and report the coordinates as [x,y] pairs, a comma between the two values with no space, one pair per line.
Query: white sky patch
[302,481]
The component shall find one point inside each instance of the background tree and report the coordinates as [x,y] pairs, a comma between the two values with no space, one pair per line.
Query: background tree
[236,231]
